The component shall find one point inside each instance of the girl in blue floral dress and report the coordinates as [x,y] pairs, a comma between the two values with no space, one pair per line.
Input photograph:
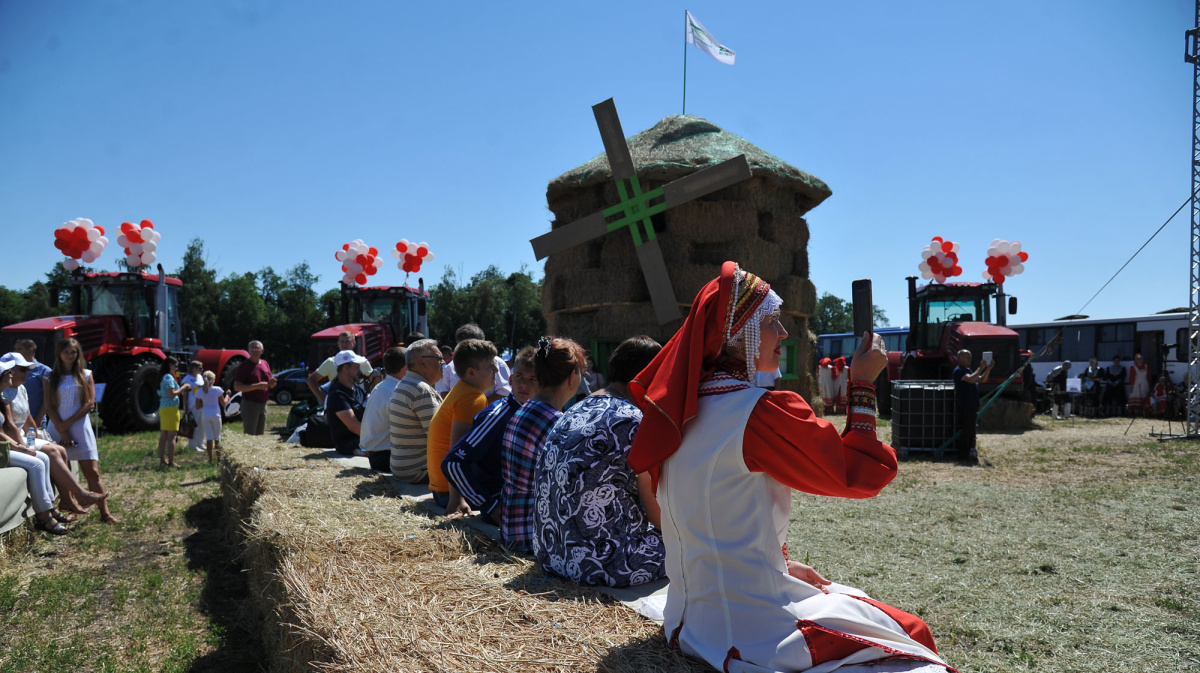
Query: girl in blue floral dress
[592,518]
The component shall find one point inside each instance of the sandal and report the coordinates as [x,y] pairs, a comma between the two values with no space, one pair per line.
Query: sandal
[51,525]
[63,518]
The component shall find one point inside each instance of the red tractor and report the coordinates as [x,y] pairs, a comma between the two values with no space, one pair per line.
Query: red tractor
[946,318]
[378,317]
[127,323]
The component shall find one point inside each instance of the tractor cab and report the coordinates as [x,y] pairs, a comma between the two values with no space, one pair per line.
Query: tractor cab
[401,308]
[948,317]
[937,305]
[378,317]
[147,303]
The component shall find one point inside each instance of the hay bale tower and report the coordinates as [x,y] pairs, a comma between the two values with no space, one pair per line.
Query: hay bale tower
[595,291]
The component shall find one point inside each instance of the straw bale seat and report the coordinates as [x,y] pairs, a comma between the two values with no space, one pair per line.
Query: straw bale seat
[348,574]
[15,503]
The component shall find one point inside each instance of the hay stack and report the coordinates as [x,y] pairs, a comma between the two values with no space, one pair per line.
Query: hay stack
[596,290]
[347,578]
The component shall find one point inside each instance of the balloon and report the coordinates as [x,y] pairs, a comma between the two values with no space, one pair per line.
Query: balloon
[70,265]
[148,258]
[360,279]
[133,260]
[147,224]
[88,257]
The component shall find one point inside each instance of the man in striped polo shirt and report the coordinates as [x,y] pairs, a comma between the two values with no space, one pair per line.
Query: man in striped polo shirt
[413,403]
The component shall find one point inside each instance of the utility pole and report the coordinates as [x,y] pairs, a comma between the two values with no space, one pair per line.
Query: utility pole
[1192,421]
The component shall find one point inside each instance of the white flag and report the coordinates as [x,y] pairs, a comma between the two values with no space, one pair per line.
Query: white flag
[699,36]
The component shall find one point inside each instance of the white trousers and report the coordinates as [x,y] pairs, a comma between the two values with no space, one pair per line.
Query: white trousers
[37,479]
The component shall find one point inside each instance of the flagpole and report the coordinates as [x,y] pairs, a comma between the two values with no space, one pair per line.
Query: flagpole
[685,30]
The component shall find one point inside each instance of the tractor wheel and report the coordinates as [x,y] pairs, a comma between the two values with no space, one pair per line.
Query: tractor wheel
[130,402]
[227,381]
[283,397]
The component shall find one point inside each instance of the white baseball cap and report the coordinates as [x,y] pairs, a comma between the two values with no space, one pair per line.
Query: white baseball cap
[14,359]
[346,357]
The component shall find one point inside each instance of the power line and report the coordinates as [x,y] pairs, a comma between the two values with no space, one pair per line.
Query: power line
[1164,225]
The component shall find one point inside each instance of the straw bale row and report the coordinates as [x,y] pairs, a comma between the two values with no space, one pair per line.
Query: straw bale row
[348,577]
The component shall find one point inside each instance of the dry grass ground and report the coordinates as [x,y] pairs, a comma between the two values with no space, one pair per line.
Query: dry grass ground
[1071,547]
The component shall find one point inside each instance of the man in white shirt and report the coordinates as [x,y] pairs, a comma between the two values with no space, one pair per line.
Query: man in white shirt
[327,370]
[374,437]
[502,387]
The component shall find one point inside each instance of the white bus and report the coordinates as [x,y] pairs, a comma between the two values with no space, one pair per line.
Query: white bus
[1160,338]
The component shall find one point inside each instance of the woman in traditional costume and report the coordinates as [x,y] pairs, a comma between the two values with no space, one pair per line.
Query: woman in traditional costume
[724,456]
[841,385]
[1139,383]
[825,383]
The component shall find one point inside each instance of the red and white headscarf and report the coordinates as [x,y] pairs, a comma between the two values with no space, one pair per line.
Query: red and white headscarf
[727,310]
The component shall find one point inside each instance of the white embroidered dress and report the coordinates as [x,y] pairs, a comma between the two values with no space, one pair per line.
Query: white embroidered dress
[731,600]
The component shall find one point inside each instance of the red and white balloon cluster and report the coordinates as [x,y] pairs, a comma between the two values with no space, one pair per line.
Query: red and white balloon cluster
[411,255]
[80,239]
[358,261]
[140,242]
[939,260]
[1004,260]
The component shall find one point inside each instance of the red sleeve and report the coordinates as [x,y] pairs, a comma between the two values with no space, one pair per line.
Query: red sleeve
[786,439]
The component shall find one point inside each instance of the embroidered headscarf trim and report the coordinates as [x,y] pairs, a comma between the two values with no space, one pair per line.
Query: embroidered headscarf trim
[751,302]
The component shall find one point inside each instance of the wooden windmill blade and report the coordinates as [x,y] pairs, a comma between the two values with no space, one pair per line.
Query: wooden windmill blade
[636,207]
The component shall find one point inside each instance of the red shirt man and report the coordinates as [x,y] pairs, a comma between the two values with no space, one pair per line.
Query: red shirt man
[253,379]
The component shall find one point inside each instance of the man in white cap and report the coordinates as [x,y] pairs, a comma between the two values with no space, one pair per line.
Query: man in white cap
[33,382]
[345,403]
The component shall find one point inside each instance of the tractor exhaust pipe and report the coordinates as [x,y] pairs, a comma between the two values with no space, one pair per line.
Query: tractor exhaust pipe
[910,340]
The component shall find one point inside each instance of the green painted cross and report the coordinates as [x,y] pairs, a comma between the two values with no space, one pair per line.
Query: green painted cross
[636,207]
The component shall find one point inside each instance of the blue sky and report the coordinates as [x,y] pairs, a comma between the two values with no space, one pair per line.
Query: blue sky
[276,131]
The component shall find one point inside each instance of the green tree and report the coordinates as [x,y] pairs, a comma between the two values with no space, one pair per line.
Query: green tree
[836,315]
[297,314]
[12,306]
[199,298]
[241,313]
[507,308]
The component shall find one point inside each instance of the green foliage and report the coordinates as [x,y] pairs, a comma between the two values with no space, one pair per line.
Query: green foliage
[41,299]
[508,309]
[199,296]
[836,315]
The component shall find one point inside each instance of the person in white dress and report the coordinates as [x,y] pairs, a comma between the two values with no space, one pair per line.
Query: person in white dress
[210,400]
[70,398]
[724,457]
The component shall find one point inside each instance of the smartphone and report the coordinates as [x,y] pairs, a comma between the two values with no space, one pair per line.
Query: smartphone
[864,309]
[987,356]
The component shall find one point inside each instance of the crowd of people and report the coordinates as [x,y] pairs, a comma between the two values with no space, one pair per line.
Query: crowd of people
[1113,390]
[679,464]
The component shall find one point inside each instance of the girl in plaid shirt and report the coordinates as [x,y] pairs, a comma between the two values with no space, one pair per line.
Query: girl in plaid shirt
[558,366]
